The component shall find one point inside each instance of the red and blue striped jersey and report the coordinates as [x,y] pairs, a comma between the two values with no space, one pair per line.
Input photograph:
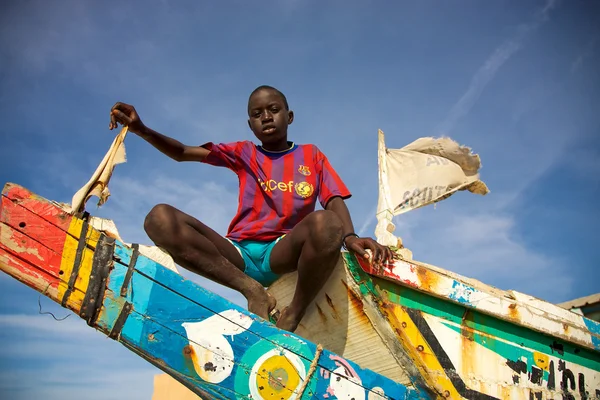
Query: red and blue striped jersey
[277,190]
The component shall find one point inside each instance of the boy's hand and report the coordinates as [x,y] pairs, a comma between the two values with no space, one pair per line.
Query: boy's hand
[125,114]
[381,254]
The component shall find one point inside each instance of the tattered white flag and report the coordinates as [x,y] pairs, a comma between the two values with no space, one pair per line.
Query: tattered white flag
[424,172]
[98,183]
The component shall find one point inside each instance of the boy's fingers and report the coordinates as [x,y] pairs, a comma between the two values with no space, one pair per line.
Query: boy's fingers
[120,106]
[375,250]
[359,250]
[120,117]
[390,255]
[113,122]
[376,253]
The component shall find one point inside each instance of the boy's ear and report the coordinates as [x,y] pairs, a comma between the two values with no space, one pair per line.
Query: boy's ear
[249,126]
[290,117]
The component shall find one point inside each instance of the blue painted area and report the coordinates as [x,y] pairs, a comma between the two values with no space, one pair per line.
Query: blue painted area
[594,328]
[163,301]
[462,293]
[138,291]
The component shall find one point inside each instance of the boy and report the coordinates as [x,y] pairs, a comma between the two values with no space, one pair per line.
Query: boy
[276,229]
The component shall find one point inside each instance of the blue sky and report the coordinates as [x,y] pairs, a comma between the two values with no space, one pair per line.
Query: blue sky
[514,80]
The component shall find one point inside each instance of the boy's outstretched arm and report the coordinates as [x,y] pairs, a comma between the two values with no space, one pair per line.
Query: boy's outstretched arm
[353,242]
[125,114]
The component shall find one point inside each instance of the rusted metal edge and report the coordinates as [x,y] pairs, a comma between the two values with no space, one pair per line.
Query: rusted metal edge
[130,268]
[77,263]
[101,266]
[115,332]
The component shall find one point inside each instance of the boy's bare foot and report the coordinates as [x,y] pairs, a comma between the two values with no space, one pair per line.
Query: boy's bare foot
[288,320]
[260,302]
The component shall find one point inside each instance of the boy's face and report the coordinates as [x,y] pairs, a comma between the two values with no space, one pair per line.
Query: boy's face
[268,117]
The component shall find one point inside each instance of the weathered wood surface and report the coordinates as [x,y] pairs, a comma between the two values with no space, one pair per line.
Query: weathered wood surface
[510,306]
[441,332]
[214,347]
[338,320]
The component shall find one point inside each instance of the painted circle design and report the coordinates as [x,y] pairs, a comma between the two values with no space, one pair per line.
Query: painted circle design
[272,372]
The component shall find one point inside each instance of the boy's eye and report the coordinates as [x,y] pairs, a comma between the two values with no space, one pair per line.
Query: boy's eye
[274,109]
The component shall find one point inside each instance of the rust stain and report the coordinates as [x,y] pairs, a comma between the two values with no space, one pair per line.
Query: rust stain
[333,310]
[427,280]
[321,314]
[465,331]
[468,349]
[505,391]
[513,311]
[356,304]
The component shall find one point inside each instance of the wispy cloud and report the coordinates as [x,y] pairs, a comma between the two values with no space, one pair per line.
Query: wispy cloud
[491,66]
[484,246]
[587,52]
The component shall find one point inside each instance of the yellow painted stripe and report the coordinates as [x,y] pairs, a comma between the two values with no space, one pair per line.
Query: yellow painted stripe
[68,258]
[421,353]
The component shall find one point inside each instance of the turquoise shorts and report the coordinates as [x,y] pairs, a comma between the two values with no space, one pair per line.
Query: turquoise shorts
[256,257]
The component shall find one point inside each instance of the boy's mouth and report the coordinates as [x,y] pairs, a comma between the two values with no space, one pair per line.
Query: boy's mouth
[268,129]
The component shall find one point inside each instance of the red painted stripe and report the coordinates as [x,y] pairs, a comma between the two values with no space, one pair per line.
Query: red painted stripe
[288,197]
[21,270]
[31,251]
[259,202]
[38,205]
[32,225]
[243,182]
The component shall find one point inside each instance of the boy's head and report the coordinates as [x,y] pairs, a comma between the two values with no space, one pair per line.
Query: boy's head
[269,115]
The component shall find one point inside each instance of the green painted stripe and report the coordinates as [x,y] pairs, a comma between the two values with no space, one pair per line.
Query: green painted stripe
[519,335]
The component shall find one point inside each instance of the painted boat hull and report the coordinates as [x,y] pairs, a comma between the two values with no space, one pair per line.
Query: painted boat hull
[413,322]
[404,330]
[215,348]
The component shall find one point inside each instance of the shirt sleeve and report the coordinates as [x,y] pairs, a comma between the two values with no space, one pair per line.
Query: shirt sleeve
[331,185]
[226,155]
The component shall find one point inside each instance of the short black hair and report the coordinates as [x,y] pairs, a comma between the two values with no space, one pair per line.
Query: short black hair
[267,87]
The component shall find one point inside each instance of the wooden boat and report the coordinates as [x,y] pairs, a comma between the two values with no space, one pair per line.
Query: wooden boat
[406,330]
[212,346]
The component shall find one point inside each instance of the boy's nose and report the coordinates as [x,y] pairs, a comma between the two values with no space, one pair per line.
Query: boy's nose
[266,116]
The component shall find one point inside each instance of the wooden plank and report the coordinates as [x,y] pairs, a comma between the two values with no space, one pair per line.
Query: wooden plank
[463,353]
[202,340]
[510,306]
[50,211]
[337,320]
[154,285]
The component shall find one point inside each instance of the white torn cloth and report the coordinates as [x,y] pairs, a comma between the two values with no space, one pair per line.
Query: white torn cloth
[98,186]
[424,172]
[98,183]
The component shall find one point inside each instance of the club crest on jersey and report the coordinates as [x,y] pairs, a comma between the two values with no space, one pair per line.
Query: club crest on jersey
[303,169]
[304,189]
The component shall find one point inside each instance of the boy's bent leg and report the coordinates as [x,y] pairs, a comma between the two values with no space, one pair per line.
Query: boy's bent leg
[200,249]
[314,247]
